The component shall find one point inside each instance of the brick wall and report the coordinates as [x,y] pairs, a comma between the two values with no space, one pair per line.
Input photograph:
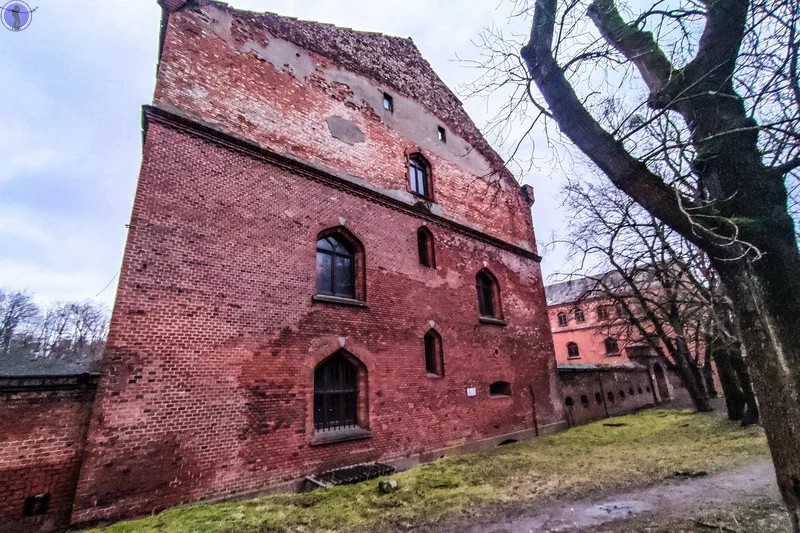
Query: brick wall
[598,394]
[277,82]
[208,371]
[42,433]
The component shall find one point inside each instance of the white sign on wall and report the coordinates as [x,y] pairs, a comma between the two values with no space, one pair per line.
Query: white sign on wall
[471,391]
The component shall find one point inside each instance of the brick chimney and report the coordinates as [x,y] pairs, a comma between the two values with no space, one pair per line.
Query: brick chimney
[170,6]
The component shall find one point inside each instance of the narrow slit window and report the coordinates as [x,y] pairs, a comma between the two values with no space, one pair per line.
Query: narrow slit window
[442,134]
[388,102]
[434,360]
[425,247]
[488,295]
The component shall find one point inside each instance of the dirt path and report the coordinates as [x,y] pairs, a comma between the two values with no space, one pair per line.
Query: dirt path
[669,501]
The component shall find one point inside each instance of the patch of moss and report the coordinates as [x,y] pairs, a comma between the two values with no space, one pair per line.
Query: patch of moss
[592,459]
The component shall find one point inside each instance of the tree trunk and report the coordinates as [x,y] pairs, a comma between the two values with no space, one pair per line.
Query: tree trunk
[750,414]
[688,371]
[708,375]
[770,336]
[731,388]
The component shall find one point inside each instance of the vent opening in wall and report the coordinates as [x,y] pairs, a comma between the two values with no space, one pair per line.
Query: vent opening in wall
[36,505]
[500,389]
[388,102]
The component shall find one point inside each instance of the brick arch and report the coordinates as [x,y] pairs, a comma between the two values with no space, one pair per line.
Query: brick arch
[332,345]
[344,222]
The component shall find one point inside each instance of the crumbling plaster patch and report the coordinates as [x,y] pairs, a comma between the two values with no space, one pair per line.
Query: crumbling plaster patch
[410,119]
[345,130]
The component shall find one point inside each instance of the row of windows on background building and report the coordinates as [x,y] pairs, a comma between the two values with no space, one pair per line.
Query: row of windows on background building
[336,387]
[603,313]
[598,398]
[611,345]
[340,269]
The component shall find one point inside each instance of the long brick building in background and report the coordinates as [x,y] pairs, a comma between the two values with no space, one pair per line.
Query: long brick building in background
[604,368]
[327,265]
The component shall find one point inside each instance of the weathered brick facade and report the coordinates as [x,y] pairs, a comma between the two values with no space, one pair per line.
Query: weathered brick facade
[264,133]
[43,424]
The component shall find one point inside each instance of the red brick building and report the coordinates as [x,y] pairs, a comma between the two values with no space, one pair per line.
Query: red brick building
[604,366]
[327,265]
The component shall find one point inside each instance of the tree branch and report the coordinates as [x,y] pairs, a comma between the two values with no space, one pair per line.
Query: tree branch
[626,172]
[638,46]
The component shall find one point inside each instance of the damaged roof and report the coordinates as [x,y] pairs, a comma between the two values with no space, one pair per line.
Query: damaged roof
[582,288]
[393,61]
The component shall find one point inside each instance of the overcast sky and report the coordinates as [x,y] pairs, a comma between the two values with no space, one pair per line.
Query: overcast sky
[72,87]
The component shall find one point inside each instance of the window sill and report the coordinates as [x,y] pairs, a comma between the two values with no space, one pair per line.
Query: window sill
[499,396]
[573,358]
[493,321]
[338,300]
[340,435]
[422,197]
[431,375]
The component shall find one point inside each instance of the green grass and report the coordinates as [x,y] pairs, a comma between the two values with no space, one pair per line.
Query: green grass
[592,459]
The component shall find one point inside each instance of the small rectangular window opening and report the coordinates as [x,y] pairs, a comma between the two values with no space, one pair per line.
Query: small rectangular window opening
[388,102]
[442,134]
[36,505]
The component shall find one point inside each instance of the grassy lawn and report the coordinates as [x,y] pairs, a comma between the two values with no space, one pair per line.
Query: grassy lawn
[585,461]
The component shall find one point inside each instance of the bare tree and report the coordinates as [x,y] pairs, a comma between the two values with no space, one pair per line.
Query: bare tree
[73,329]
[17,310]
[692,107]
[668,292]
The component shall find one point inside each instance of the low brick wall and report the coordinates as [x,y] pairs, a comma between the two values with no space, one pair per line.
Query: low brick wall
[43,422]
[595,393]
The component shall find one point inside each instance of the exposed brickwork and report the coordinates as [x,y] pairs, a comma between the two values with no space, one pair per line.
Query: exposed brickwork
[208,368]
[606,393]
[252,150]
[41,442]
[276,81]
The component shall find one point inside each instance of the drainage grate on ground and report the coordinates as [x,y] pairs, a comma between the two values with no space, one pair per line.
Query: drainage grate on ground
[346,476]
